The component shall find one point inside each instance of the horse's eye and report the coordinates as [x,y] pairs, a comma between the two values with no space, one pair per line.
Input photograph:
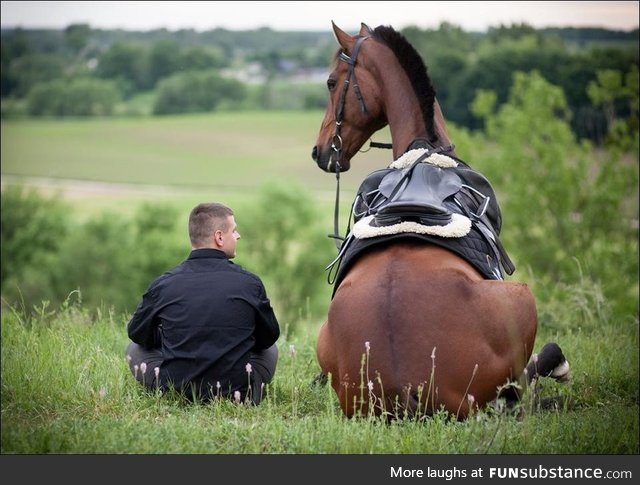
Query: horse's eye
[331,84]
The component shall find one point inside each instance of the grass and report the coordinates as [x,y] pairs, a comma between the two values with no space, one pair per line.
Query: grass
[65,384]
[66,388]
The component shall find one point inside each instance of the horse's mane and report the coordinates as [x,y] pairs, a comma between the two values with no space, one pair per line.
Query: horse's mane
[416,70]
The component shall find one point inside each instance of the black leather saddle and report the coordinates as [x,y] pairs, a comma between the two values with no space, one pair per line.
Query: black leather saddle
[430,195]
[417,194]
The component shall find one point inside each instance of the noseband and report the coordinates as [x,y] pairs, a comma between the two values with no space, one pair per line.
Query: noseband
[336,142]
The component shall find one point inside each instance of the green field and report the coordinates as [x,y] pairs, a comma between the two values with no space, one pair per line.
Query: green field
[65,385]
[231,150]
[114,164]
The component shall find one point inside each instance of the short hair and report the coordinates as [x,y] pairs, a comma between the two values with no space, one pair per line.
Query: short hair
[205,219]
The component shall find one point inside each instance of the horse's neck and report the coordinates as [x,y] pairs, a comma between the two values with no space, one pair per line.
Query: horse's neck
[405,119]
[440,126]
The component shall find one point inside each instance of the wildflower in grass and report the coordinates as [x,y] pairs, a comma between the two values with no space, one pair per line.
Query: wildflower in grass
[470,400]
[236,396]
[292,350]
[217,388]
[248,369]
[370,386]
[102,393]
[367,346]
[156,371]
[143,370]
[535,358]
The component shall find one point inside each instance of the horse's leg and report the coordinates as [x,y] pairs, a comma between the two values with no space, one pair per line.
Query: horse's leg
[513,304]
[549,362]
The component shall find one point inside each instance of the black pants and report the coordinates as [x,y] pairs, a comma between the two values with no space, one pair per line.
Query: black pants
[263,365]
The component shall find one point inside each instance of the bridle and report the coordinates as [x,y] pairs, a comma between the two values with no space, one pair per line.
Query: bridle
[336,142]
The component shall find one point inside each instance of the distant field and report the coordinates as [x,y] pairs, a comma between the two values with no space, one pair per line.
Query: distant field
[232,150]
[114,164]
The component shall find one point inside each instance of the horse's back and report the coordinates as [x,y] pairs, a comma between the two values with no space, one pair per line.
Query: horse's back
[417,322]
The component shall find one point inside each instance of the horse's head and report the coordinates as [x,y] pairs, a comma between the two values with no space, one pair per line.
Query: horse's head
[355,109]
[378,79]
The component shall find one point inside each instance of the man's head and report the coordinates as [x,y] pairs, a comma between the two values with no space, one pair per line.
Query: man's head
[212,225]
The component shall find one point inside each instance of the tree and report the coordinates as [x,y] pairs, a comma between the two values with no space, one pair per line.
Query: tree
[127,62]
[609,90]
[29,70]
[76,37]
[164,59]
[564,202]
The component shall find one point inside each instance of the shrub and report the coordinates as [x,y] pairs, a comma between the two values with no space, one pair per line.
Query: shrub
[77,97]
[32,228]
[286,246]
[195,91]
[564,202]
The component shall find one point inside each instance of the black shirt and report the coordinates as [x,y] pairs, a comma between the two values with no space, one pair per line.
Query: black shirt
[206,315]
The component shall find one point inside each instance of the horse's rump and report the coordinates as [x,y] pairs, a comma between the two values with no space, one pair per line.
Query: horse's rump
[416,322]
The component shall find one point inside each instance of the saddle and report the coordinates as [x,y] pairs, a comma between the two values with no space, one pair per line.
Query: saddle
[437,198]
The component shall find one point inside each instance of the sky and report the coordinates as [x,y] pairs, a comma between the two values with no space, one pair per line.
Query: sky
[315,15]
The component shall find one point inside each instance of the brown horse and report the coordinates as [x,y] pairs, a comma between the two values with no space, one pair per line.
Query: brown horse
[413,327]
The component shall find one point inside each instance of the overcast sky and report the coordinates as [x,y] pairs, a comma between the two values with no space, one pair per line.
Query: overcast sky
[471,16]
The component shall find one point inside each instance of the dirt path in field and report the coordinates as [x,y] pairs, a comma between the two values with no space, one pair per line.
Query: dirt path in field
[82,189]
[70,188]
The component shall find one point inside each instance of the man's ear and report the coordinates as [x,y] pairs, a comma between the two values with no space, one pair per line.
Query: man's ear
[217,238]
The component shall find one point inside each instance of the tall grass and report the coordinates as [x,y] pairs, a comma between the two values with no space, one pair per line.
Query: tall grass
[66,388]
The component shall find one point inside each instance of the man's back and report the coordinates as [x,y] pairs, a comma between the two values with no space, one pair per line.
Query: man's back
[206,315]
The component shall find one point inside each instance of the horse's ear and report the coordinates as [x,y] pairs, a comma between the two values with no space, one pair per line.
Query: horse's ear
[344,39]
[365,29]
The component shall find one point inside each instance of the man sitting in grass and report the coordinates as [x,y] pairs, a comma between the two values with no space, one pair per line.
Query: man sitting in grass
[206,327]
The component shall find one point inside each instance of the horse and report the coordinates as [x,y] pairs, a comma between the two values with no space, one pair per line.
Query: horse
[413,328]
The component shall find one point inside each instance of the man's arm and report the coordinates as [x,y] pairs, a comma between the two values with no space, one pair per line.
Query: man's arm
[267,328]
[142,328]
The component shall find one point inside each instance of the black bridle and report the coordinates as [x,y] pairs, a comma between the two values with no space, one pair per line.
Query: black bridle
[336,142]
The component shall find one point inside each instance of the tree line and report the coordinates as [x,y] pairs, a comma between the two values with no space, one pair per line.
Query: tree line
[81,71]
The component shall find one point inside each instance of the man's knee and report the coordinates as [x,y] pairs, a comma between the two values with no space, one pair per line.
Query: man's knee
[142,362]
[265,362]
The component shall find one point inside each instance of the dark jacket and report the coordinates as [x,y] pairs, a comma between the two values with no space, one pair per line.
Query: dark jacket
[206,315]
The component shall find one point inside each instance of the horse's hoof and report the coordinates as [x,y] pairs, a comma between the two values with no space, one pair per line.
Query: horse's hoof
[562,373]
[319,380]
[550,362]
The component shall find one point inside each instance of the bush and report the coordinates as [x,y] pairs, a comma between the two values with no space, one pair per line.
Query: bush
[286,246]
[78,97]
[109,260]
[195,91]
[32,228]
[571,212]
